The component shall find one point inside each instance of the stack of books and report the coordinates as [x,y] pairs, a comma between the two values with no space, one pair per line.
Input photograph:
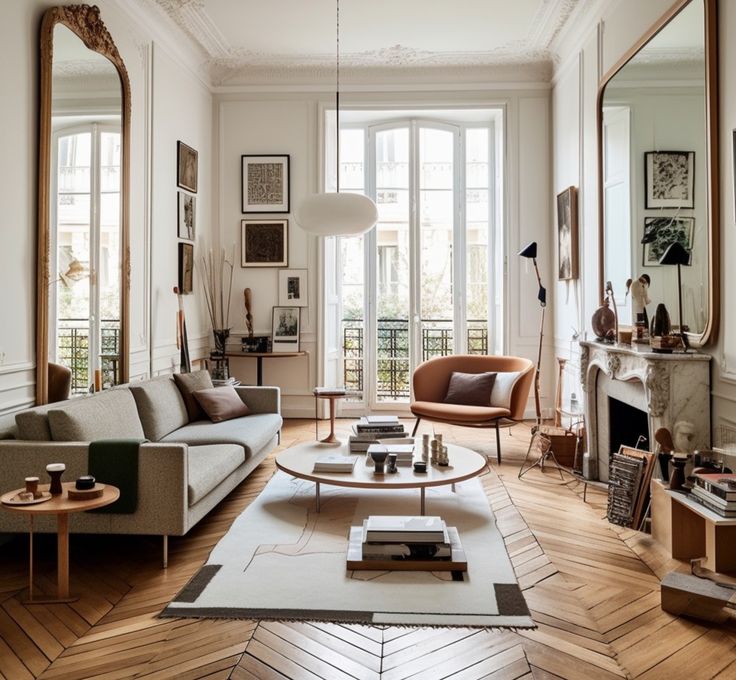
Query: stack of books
[717,492]
[334,463]
[233,382]
[369,429]
[405,542]
[404,452]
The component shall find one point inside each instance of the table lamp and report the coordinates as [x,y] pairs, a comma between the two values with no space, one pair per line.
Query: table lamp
[677,254]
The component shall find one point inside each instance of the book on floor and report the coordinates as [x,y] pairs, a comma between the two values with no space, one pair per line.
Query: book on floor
[404,529]
[334,463]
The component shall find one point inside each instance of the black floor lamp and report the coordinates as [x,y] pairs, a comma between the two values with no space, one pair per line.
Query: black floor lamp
[530,252]
[677,254]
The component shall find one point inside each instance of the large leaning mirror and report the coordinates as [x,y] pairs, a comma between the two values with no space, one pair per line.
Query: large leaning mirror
[83,258]
[658,169]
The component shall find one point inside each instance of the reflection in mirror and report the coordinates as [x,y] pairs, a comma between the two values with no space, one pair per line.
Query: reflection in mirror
[655,172]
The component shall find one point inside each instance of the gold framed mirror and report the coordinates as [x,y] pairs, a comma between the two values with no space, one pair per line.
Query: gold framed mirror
[83,263]
[658,178]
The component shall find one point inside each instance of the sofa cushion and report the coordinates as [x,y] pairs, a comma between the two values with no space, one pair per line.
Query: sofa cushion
[108,415]
[221,403]
[470,389]
[188,383]
[251,432]
[33,424]
[457,413]
[160,406]
[210,465]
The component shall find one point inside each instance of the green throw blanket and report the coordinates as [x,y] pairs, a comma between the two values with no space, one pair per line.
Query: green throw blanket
[115,461]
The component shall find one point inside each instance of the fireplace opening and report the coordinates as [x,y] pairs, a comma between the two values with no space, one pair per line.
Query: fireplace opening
[626,424]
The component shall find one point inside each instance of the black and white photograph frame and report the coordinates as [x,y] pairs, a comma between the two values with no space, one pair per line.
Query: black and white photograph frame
[186,268]
[264,243]
[186,215]
[265,185]
[670,179]
[661,232]
[567,235]
[285,328]
[293,287]
[186,167]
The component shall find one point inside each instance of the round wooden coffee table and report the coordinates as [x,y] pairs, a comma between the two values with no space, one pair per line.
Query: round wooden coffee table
[298,461]
[62,507]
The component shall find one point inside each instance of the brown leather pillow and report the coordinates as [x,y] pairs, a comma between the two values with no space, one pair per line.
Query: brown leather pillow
[470,389]
[221,403]
[188,383]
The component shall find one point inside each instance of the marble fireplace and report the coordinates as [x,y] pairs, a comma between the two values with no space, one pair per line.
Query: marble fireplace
[631,392]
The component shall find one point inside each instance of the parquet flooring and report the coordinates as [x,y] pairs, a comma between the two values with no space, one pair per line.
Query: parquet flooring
[593,590]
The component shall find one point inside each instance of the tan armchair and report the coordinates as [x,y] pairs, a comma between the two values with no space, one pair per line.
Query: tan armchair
[431,379]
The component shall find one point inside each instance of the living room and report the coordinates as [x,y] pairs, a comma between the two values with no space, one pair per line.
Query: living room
[502,213]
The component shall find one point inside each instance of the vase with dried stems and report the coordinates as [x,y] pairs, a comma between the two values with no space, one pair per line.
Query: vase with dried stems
[216,274]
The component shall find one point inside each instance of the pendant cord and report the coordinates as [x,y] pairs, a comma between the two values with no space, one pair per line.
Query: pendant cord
[337,100]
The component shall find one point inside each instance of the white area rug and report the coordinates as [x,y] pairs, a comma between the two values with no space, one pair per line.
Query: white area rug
[282,560]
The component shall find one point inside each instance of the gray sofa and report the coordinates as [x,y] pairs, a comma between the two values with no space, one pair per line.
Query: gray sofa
[185,470]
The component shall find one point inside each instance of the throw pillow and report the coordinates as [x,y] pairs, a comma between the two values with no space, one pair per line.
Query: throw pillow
[189,383]
[221,403]
[470,389]
[503,387]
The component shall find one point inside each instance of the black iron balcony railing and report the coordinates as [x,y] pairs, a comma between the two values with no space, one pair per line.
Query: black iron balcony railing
[392,349]
[73,351]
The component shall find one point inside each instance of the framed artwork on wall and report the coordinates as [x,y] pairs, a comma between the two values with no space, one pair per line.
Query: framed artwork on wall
[264,243]
[186,268]
[670,179]
[662,232]
[293,287]
[186,215]
[265,184]
[285,329]
[567,234]
[186,167]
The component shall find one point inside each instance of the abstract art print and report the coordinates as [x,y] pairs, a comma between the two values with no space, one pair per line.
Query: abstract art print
[285,329]
[567,235]
[187,215]
[265,184]
[186,268]
[293,287]
[661,232]
[670,179]
[264,243]
[186,167]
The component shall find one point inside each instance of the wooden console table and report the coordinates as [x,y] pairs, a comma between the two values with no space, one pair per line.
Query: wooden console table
[689,530]
[260,356]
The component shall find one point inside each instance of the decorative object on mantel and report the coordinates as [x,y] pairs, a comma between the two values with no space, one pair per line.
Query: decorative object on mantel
[639,290]
[612,297]
[604,322]
[677,255]
[216,273]
[661,322]
[336,214]
[660,339]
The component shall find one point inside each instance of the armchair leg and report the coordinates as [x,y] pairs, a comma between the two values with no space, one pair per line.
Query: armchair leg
[166,552]
[416,425]
[498,444]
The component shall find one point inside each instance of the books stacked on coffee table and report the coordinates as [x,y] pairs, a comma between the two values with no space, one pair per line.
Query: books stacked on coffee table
[405,543]
[404,452]
[717,492]
[369,429]
[334,463]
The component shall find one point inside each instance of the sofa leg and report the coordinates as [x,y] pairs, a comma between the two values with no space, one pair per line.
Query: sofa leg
[416,425]
[166,552]
[498,444]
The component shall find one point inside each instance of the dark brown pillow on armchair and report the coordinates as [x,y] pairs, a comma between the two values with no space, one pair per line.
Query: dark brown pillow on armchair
[470,389]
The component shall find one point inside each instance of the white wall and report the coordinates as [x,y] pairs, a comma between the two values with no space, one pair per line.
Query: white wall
[168,103]
[279,123]
[590,48]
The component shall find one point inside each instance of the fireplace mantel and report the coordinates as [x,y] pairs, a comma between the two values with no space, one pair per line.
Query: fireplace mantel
[669,387]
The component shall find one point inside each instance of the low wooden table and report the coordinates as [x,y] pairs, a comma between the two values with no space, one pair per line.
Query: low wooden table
[62,507]
[331,397]
[299,462]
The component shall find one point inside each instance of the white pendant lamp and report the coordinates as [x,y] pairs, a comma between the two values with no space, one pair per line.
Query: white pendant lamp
[336,214]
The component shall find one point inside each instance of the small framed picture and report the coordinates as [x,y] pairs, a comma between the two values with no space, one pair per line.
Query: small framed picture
[285,329]
[186,268]
[670,179]
[265,184]
[187,215]
[186,167]
[567,234]
[264,243]
[293,287]
[661,232]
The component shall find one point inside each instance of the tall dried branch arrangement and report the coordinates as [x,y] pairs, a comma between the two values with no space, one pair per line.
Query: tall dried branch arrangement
[216,275]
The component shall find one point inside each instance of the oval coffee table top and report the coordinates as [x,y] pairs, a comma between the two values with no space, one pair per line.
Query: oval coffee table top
[63,504]
[299,462]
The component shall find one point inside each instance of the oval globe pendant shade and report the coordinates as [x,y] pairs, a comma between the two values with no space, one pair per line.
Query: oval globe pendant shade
[334,214]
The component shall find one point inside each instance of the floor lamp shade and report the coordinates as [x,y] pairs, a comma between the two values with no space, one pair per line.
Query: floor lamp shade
[334,214]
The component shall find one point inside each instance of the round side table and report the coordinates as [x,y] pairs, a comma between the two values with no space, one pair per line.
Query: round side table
[331,396]
[62,507]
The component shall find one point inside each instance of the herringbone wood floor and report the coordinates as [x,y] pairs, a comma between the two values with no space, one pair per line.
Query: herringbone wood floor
[593,590]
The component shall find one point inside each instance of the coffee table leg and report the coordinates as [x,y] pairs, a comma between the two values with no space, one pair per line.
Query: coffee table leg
[62,555]
[317,489]
[421,501]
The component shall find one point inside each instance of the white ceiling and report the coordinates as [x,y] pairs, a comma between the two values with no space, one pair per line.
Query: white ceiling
[246,42]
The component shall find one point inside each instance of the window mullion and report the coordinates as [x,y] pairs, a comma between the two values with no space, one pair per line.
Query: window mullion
[459,250]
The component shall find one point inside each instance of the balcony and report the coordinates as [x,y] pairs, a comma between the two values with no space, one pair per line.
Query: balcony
[73,351]
[392,348]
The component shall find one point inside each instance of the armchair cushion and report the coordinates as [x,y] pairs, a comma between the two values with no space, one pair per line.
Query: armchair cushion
[503,388]
[470,389]
[457,413]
